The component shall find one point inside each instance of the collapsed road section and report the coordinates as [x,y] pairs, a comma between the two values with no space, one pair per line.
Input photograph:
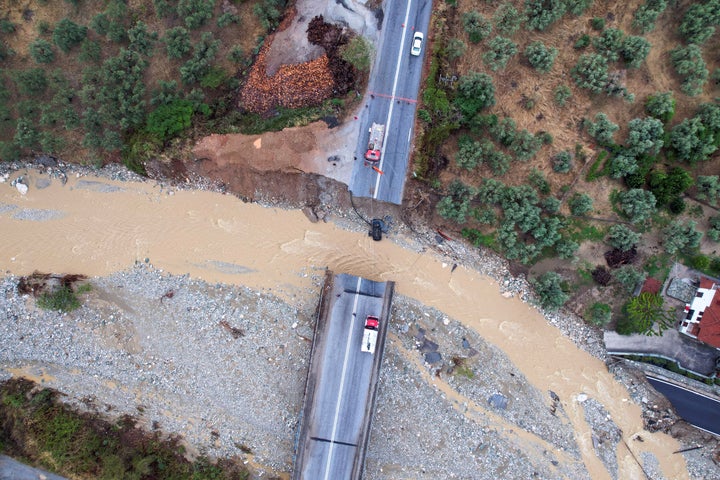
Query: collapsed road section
[343,377]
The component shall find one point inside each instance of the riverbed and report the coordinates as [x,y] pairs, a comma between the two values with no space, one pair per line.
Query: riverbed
[98,227]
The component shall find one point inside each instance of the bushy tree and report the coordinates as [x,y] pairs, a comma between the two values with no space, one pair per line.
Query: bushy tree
[577,7]
[661,106]
[691,141]
[713,232]
[177,42]
[680,237]
[708,188]
[599,314]
[540,57]
[475,91]
[31,82]
[580,204]
[645,136]
[469,154]
[562,162]
[123,91]
[643,313]
[548,288]
[637,204]
[562,94]
[543,13]
[67,34]
[357,52]
[667,186]
[609,43]
[623,164]
[141,39]
[591,72]
[629,277]
[499,52]
[41,50]
[455,48]
[646,15]
[525,145]
[168,120]
[477,27]
[203,53]
[507,19]
[634,50]
[455,205]
[622,237]
[195,12]
[689,64]
[602,129]
[504,131]
[236,54]
[697,24]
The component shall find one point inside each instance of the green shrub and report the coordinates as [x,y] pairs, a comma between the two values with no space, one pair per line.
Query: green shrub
[63,299]
[525,145]
[67,34]
[629,277]
[543,13]
[269,13]
[168,120]
[697,23]
[602,129]
[562,162]
[689,64]
[357,52]
[90,51]
[609,43]
[455,48]
[177,42]
[199,65]
[540,57]
[646,15]
[708,188]
[634,50]
[537,179]
[236,54]
[577,7]
[597,23]
[507,19]
[141,39]
[582,42]
[477,27]
[6,26]
[455,205]
[548,288]
[31,82]
[42,51]
[195,12]
[661,106]
[580,204]
[562,94]
[475,91]
[499,52]
[591,72]
[163,9]
[622,237]
[599,314]
[226,19]
[214,78]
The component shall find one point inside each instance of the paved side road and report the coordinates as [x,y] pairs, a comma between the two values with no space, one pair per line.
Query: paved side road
[13,470]
[691,355]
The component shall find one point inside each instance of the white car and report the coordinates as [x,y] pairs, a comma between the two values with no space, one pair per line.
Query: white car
[416,44]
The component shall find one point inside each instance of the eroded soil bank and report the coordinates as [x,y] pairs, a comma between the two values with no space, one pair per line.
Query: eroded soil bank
[94,226]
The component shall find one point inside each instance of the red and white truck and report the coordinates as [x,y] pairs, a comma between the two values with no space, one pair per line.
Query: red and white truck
[377,133]
[370,334]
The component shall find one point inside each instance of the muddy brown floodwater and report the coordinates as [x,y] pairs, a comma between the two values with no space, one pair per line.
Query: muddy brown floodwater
[95,226]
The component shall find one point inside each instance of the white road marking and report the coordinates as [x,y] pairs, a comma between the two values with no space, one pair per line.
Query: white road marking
[392,102]
[342,382]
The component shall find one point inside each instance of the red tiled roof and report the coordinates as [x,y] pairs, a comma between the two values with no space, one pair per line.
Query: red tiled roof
[710,323]
[651,286]
[706,282]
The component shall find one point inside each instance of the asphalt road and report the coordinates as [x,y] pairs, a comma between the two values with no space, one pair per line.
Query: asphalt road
[698,410]
[392,100]
[335,416]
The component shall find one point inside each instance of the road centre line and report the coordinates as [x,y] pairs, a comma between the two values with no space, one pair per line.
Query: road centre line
[392,104]
[342,380]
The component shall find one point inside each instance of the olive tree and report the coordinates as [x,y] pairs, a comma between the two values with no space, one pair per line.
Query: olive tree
[177,42]
[455,205]
[543,13]
[634,50]
[591,72]
[540,57]
[475,91]
[622,237]
[645,136]
[691,141]
[637,204]
[689,64]
[681,237]
[696,25]
[661,106]
[507,19]
[41,51]
[602,129]
[609,43]
[646,15]
[562,162]
[548,288]
[67,34]
[499,52]
[629,277]
[469,154]
[713,232]
[708,188]
[623,164]
[477,27]
[580,204]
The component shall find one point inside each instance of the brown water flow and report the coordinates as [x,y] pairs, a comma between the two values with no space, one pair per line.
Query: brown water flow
[96,226]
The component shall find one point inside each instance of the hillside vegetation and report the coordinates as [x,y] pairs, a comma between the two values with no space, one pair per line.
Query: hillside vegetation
[555,131]
[95,80]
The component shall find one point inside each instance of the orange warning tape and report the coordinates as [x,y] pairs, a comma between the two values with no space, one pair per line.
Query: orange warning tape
[443,235]
[378,170]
